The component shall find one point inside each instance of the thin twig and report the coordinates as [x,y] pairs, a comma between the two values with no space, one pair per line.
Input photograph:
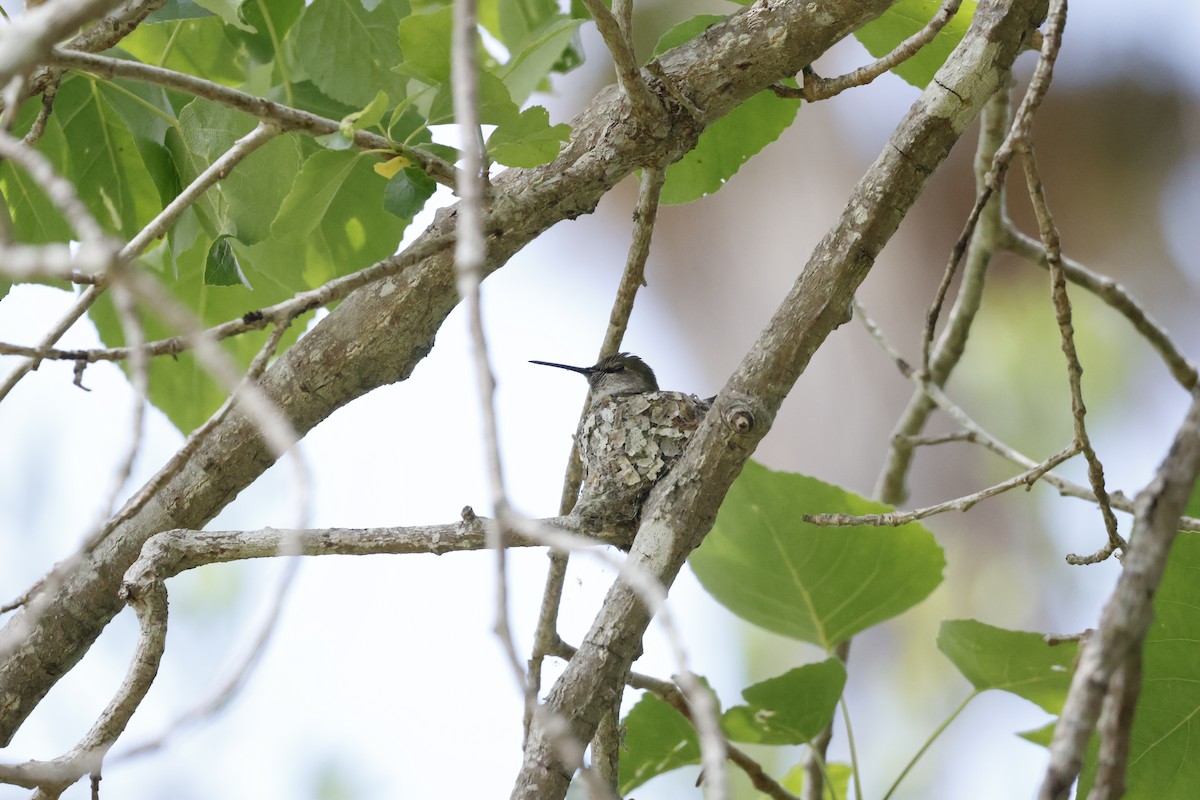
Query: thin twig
[973,432]
[269,111]
[891,485]
[1062,315]
[617,37]
[139,379]
[1022,141]
[470,259]
[1026,479]
[236,676]
[816,88]
[1114,295]
[24,41]
[816,758]
[52,777]
[283,311]
[1039,84]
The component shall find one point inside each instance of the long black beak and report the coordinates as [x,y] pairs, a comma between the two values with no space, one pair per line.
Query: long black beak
[580,370]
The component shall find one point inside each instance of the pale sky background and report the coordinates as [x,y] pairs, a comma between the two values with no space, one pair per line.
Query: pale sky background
[384,680]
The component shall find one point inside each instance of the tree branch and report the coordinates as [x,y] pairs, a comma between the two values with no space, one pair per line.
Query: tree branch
[1129,611]
[891,486]
[682,506]
[965,503]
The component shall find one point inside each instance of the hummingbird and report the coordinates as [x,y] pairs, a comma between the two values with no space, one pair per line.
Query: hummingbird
[630,437]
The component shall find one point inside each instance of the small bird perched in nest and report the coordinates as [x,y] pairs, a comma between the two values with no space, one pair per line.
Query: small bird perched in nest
[632,435]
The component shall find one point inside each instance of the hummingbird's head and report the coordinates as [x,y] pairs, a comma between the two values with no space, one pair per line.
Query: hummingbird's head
[618,374]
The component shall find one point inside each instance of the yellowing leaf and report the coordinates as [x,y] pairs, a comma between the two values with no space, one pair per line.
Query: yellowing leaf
[390,168]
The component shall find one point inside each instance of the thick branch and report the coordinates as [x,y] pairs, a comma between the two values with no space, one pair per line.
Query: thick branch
[1129,612]
[682,507]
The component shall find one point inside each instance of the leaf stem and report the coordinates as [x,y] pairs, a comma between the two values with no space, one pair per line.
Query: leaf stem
[858,791]
[929,742]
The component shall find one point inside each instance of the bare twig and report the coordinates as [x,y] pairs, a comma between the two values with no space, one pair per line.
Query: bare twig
[1129,611]
[891,486]
[282,312]
[1039,84]
[1026,479]
[815,758]
[816,88]
[617,35]
[277,114]
[1058,282]
[1116,296]
[52,777]
[973,432]
[470,258]
[236,676]
[1062,315]
[139,379]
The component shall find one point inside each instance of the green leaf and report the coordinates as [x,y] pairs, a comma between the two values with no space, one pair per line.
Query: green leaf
[495,104]
[1014,661]
[332,222]
[34,219]
[193,46]
[537,55]
[103,160]
[726,145]
[348,51]
[268,22]
[790,709]
[221,267]
[881,35]
[511,21]
[731,140]
[149,116]
[818,584]
[425,41]
[179,386]
[368,117]
[407,192]
[1164,753]
[837,783]
[684,32]
[173,10]
[657,740]
[529,140]
[1042,735]
[228,10]
[246,201]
